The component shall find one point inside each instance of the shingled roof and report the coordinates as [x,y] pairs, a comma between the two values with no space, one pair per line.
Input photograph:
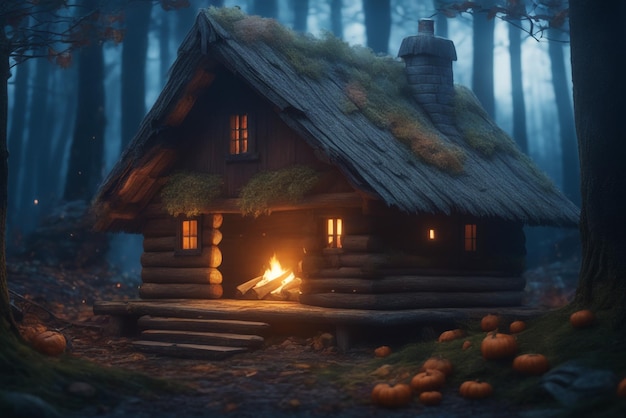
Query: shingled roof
[357,119]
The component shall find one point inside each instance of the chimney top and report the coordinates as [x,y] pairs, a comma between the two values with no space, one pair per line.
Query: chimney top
[426,26]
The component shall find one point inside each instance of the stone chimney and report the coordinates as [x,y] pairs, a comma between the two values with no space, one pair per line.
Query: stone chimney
[428,59]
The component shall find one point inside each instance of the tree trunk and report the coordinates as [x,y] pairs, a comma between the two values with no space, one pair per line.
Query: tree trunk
[377,24]
[569,151]
[164,47]
[441,21]
[517,89]
[482,74]
[86,153]
[301,14]
[16,144]
[134,52]
[265,8]
[336,18]
[598,39]
[6,319]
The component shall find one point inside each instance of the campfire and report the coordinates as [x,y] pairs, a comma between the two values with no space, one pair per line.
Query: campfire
[277,283]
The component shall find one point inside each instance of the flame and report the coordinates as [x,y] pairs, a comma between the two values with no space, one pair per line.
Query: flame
[275,271]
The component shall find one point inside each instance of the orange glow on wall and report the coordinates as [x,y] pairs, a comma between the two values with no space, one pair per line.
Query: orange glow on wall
[238,134]
[470,237]
[189,234]
[334,232]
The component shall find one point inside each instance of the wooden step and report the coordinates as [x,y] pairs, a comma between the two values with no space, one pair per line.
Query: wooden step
[203,325]
[203,338]
[196,351]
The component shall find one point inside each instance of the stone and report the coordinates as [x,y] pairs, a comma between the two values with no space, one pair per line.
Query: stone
[571,382]
[25,405]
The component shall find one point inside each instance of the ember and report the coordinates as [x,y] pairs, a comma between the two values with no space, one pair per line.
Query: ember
[277,283]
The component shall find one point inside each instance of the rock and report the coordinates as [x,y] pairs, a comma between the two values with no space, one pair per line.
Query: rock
[25,405]
[570,383]
[82,390]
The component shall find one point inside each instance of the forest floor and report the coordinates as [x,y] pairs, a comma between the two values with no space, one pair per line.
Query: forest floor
[288,376]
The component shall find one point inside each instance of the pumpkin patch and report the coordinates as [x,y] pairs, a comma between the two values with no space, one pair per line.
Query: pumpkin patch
[427,381]
[438,363]
[430,398]
[490,322]
[389,396]
[496,346]
[531,364]
[475,389]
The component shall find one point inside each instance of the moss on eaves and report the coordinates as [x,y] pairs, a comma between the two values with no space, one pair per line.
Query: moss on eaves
[186,193]
[267,188]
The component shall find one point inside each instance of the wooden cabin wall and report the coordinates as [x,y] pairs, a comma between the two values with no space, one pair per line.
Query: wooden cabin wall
[272,144]
[168,273]
[388,261]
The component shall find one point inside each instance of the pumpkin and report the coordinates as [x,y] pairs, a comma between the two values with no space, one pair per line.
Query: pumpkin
[430,398]
[582,319]
[438,363]
[517,326]
[498,346]
[621,388]
[31,331]
[466,344]
[389,396]
[49,342]
[533,364]
[382,351]
[450,335]
[428,380]
[475,389]
[490,322]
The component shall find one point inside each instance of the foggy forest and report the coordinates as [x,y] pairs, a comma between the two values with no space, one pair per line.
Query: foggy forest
[116,300]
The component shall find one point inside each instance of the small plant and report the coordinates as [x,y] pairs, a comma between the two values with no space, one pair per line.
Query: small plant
[187,193]
[287,185]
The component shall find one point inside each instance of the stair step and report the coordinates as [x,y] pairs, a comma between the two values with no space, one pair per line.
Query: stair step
[198,351]
[203,325]
[203,338]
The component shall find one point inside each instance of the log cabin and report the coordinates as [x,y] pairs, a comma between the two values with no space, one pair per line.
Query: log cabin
[376,180]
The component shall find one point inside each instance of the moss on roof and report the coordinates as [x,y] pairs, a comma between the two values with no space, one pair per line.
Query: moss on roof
[271,187]
[374,85]
[186,192]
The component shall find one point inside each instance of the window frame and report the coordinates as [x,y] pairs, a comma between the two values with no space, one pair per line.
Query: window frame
[334,238]
[180,236]
[470,235]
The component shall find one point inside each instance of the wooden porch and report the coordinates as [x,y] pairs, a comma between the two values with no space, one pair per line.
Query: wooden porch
[280,314]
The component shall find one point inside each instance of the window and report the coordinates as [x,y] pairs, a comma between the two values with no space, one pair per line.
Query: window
[431,234]
[189,235]
[334,231]
[238,134]
[470,237]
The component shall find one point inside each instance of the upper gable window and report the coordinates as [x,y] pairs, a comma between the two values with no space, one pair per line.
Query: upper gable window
[238,134]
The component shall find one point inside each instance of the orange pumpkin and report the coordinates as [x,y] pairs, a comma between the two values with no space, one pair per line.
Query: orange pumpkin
[475,389]
[498,346]
[438,363]
[382,351]
[517,326]
[490,322]
[49,342]
[450,335]
[389,396]
[621,388]
[430,398]
[466,344]
[428,380]
[582,319]
[532,364]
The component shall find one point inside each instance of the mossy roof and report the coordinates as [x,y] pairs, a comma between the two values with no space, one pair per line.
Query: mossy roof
[355,107]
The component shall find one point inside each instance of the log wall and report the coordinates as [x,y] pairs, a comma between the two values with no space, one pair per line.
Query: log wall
[169,273]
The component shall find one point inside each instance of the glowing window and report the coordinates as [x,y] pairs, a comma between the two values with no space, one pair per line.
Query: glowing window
[431,234]
[334,231]
[470,237]
[189,234]
[238,134]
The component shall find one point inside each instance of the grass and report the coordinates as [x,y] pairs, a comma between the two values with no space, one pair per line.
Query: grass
[598,347]
[26,371]
[187,193]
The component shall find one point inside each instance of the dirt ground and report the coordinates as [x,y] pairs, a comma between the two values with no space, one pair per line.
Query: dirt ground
[286,377]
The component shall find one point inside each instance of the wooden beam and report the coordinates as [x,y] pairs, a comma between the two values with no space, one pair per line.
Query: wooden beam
[180,291]
[189,275]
